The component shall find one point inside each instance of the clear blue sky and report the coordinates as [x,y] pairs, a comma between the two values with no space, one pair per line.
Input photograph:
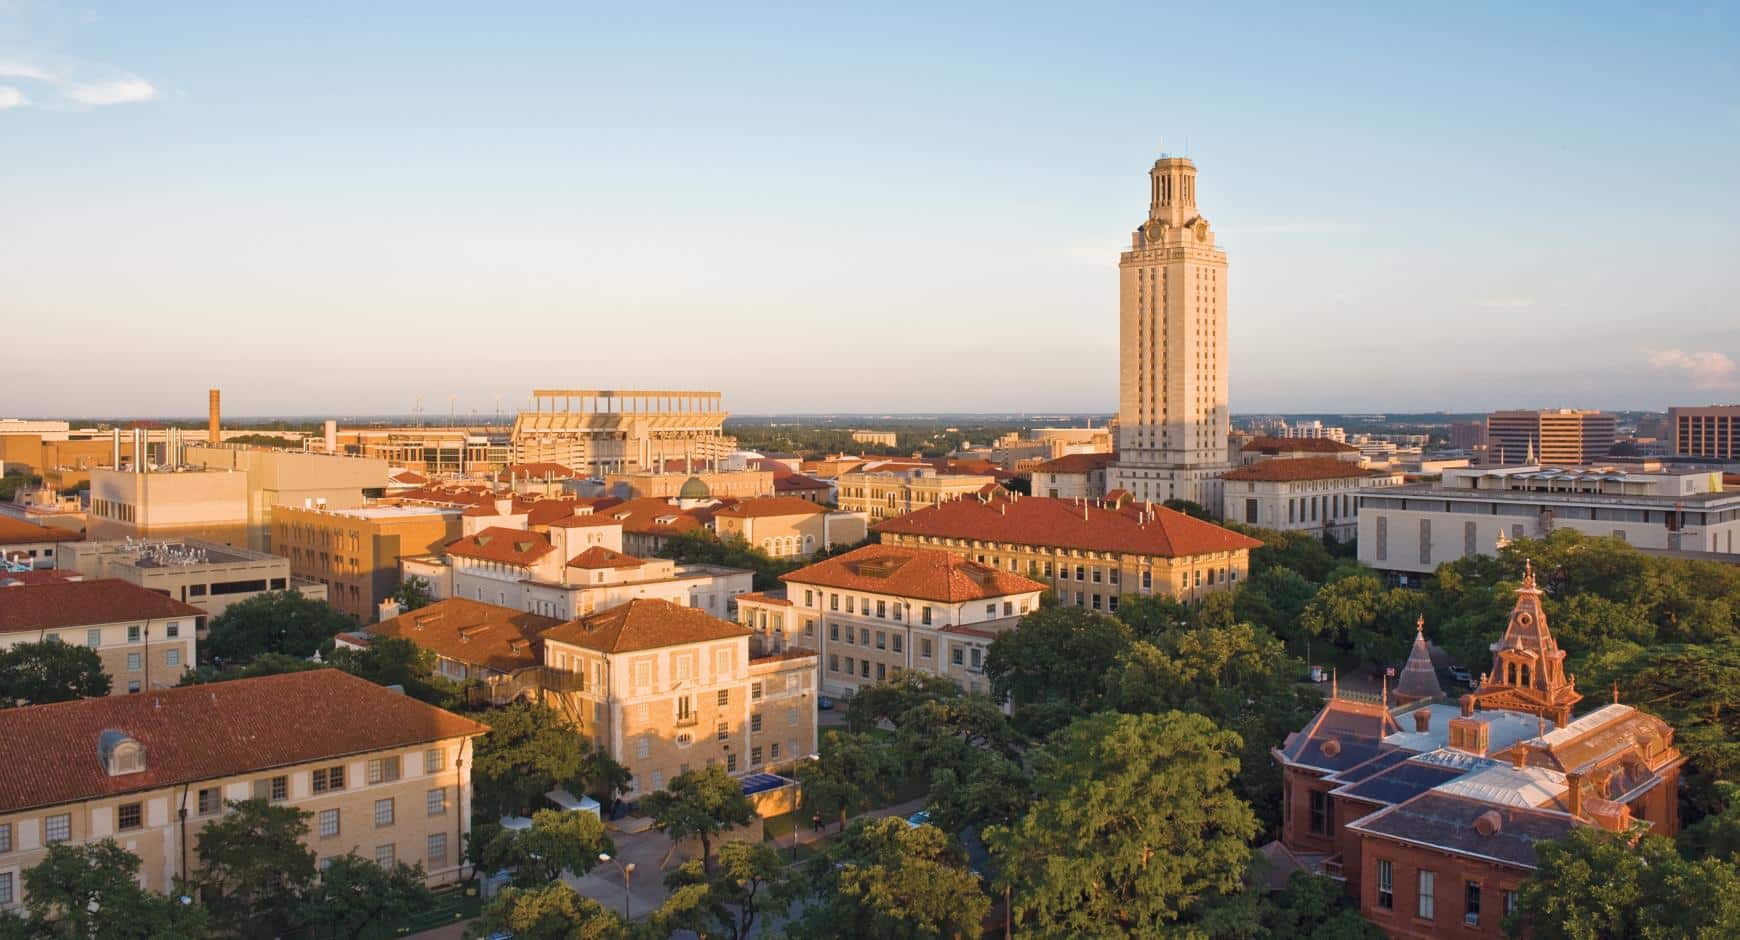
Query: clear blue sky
[338,207]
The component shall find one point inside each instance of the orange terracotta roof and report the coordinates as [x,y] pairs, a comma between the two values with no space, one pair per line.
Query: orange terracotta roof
[1298,445]
[791,482]
[18,532]
[600,557]
[472,632]
[407,477]
[927,574]
[84,603]
[538,471]
[1063,523]
[504,545]
[1075,463]
[206,732]
[760,598]
[644,623]
[771,506]
[549,511]
[585,519]
[1295,469]
[652,516]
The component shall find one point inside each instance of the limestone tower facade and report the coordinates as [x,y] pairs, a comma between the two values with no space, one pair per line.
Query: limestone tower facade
[1172,392]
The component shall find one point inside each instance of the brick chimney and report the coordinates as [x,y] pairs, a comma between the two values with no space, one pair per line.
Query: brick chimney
[213,435]
[1423,719]
[1574,793]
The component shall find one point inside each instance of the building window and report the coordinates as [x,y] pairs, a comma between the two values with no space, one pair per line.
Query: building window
[436,801]
[5,837]
[57,828]
[385,856]
[131,816]
[134,662]
[864,668]
[881,640]
[1510,902]
[731,763]
[924,647]
[1386,884]
[956,656]
[643,746]
[436,850]
[1428,904]
[773,750]
[833,662]
[329,778]
[384,812]
[685,708]
[210,801]
[1319,813]
[383,769]
[897,643]
[791,717]
[724,697]
[173,630]
[924,615]
[755,756]
[172,658]
[755,692]
[755,722]
[133,634]
[1471,904]
[273,789]
[434,760]
[6,890]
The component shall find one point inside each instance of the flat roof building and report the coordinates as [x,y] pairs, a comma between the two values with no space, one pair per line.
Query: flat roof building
[28,545]
[1712,432]
[356,552]
[1318,494]
[1552,436]
[204,574]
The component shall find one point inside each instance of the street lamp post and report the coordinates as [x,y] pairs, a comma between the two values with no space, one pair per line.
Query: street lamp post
[626,871]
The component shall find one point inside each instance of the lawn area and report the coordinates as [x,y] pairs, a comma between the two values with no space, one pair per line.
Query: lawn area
[452,905]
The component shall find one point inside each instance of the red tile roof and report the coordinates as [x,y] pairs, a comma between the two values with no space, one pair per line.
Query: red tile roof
[1075,463]
[761,598]
[1298,445]
[600,517]
[643,517]
[18,532]
[795,482]
[644,623]
[407,477]
[927,574]
[504,545]
[600,557]
[1294,469]
[84,603]
[472,632]
[204,732]
[38,576]
[770,506]
[538,471]
[1063,523]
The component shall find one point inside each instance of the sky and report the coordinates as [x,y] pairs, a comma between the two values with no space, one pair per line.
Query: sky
[347,207]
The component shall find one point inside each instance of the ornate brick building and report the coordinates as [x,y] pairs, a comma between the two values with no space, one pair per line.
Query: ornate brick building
[1430,813]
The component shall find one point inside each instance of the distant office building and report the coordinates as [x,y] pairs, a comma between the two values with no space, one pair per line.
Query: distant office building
[885,494]
[1072,476]
[1317,494]
[1467,435]
[877,438]
[1258,449]
[1560,436]
[444,450]
[1314,429]
[1417,527]
[701,484]
[600,431]
[204,574]
[1712,432]
[206,505]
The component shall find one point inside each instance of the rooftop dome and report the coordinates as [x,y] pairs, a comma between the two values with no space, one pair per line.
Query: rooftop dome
[693,488]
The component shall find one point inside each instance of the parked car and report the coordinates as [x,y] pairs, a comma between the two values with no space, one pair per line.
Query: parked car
[824,703]
[1461,675]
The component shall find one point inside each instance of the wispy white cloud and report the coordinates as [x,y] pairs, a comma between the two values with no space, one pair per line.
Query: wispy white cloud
[1505,303]
[70,84]
[1707,369]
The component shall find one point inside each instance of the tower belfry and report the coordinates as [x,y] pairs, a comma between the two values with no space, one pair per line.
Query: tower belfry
[1528,668]
[1173,416]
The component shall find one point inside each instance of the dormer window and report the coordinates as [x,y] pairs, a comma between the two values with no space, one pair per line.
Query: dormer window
[120,753]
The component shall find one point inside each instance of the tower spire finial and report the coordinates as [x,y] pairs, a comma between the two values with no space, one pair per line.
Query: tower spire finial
[1616,691]
[1420,625]
[1529,575]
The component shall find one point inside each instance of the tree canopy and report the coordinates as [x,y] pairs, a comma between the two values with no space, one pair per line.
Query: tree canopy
[701,803]
[50,671]
[531,749]
[1052,665]
[558,841]
[890,880]
[254,866]
[1596,885]
[92,890]
[553,911]
[274,622]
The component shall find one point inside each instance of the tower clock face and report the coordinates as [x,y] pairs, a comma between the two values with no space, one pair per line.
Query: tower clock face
[1156,229]
[1201,230]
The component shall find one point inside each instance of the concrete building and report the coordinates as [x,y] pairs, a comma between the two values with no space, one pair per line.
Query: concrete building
[1258,449]
[446,450]
[1313,429]
[1089,553]
[211,506]
[1467,435]
[882,609]
[1173,415]
[787,527]
[1417,527]
[598,431]
[665,689]
[151,771]
[700,485]
[1712,433]
[206,575]
[277,477]
[355,552]
[1318,494]
[1430,813]
[1560,436]
[145,640]
[878,438]
[884,494]
[1073,476]
[28,545]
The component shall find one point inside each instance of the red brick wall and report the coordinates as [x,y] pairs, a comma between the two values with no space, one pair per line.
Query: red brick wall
[1452,874]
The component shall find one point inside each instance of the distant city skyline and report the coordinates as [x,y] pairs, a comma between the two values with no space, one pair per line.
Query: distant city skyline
[887,211]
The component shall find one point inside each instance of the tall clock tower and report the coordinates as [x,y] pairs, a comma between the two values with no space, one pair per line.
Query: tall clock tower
[1172,394]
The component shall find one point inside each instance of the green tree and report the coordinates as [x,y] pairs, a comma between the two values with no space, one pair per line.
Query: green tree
[889,880]
[391,660]
[1273,599]
[530,749]
[748,884]
[50,671]
[255,869]
[92,890]
[1300,551]
[266,664]
[412,593]
[890,701]
[703,547]
[1192,509]
[558,841]
[1597,885]
[701,803]
[1315,908]
[274,622]
[548,912]
[849,774]
[357,898]
[1133,829]
[1056,656]
[1358,614]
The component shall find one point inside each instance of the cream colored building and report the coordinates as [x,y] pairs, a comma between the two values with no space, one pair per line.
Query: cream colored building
[884,494]
[883,609]
[1415,528]
[1089,553]
[182,504]
[28,545]
[145,640]
[278,477]
[1173,416]
[205,575]
[1073,476]
[789,527]
[600,431]
[355,553]
[393,788]
[682,484]
[878,438]
[1315,494]
[666,689]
